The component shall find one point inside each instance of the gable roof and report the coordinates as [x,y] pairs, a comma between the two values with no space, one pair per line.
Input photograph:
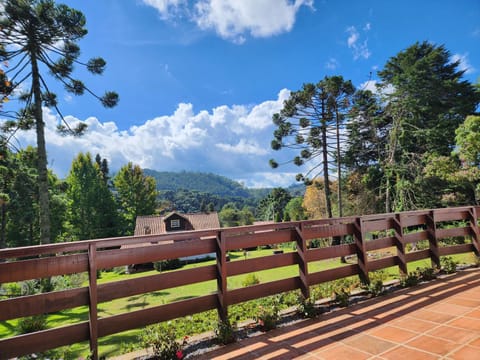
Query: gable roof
[156,224]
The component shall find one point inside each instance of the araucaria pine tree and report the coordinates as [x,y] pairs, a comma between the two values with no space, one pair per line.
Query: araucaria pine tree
[38,43]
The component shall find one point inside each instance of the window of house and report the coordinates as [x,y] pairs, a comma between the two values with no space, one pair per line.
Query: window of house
[175,223]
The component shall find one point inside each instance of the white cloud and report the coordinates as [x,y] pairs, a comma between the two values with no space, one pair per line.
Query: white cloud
[369,85]
[236,19]
[165,7]
[464,64]
[359,48]
[244,146]
[332,64]
[233,141]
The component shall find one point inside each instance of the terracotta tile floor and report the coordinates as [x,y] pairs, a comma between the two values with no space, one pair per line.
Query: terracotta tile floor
[438,320]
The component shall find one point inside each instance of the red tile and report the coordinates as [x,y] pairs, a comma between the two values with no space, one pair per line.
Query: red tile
[466,353]
[454,334]
[475,343]
[474,314]
[466,323]
[472,303]
[342,352]
[452,309]
[369,344]
[404,353]
[432,345]
[413,324]
[432,316]
[393,333]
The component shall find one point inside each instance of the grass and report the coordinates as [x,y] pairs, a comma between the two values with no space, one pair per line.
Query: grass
[118,343]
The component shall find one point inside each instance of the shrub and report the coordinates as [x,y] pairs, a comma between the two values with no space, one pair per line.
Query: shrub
[225,332]
[375,287]
[307,307]
[449,266]
[268,314]
[32,324]
[342,296]
[170,264]
[426,273]
[251,279]
[163,341]
[409,280]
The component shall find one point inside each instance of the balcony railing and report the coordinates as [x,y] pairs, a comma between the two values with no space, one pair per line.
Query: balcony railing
[367,234]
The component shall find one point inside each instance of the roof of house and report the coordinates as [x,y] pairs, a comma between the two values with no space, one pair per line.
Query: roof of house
[155,225]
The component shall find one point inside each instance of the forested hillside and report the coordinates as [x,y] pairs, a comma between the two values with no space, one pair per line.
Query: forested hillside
[196,181]
[189,191]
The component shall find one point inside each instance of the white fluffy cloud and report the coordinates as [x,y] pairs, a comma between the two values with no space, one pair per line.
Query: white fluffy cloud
[231,141]
[165,7]
[359,48]
[235,19]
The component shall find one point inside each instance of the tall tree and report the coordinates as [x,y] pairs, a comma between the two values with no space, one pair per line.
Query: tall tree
[92,210]
[136,194]
[35,33]
[311,122]
[364,153]
[426,100]
[273,205]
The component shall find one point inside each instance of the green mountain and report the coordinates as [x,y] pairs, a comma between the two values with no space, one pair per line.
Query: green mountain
[196,181]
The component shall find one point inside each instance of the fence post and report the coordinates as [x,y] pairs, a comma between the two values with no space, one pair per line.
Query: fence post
[361,251]
[93,297]
[302,261]
[475,230]
[222,307]
[400,244]
[432,239]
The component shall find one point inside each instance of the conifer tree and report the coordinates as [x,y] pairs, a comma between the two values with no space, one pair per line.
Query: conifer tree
[38,42]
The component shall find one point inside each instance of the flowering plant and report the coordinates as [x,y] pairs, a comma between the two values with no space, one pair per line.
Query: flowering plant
[163,342]
[267,316]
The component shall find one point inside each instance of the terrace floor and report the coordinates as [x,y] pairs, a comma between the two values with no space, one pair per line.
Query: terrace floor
[437,320]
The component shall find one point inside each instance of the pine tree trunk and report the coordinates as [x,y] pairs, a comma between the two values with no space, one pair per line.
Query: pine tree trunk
[43,199]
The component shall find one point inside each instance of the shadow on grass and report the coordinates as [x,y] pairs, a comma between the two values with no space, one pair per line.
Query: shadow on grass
[182,298]
[110,346]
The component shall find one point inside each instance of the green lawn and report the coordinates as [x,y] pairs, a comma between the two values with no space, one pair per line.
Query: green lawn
[112,345]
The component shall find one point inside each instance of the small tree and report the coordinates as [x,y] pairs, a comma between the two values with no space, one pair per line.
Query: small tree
[136,194]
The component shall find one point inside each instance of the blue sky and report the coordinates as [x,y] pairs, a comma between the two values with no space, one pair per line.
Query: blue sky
[199,80]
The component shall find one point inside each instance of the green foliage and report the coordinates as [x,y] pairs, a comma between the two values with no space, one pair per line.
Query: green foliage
[307,307]
[170,264]
[225,332]
[426,273]
[163,341]
[411,279]
[267,314]
[250,279]
[449,265]
[273,205]
[294,210]
[230,216]
[136,194]
[92,210]
[32,324]
[201,182]
[375,287]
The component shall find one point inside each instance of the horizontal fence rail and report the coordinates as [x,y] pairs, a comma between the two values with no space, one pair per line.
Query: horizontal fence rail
[365,235]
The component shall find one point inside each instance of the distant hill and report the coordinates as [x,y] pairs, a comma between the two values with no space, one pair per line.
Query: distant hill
[189,191]
[196,181]
[212,184]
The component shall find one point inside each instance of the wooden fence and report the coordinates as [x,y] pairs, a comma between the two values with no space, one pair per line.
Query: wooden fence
[367,234]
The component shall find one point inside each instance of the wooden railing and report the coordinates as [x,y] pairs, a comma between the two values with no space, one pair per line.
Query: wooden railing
[368,233]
